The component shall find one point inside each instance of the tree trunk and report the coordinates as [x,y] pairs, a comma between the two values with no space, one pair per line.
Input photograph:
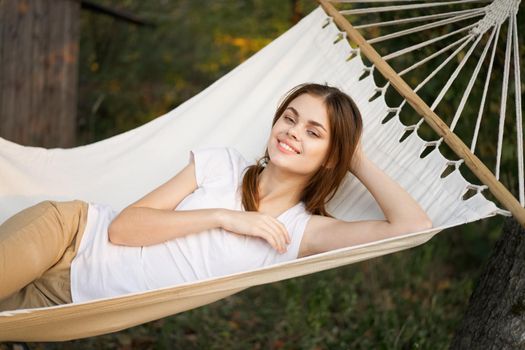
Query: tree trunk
[38,71]
[495,317]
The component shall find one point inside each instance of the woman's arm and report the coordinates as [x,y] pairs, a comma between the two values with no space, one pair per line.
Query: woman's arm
[152,220]
[139,226]
[142,226]
[397,205]
[403,214]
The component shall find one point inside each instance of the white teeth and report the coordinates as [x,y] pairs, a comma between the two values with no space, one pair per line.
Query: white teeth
[285,146]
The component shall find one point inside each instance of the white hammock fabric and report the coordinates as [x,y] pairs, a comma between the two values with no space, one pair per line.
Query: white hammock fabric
[235,111]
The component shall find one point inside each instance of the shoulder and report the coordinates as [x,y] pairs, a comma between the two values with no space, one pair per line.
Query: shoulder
[215,163]
[216,153]
[235,155]
[315,226]
[238,162]
[316,222]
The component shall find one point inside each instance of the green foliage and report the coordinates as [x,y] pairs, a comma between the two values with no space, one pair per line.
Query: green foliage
[130,75]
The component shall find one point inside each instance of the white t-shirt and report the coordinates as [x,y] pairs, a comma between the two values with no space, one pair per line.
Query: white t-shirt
[102,269]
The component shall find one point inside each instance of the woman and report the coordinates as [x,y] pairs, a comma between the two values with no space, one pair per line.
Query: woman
[230,216]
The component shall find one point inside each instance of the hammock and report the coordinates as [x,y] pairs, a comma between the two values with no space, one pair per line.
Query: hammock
[235,111]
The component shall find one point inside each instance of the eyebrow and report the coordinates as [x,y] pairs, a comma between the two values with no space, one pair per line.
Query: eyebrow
[313,122]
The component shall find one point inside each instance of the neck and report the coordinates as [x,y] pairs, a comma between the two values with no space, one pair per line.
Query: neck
[279,185]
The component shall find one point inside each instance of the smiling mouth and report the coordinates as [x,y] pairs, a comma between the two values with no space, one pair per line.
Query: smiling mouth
[285,148]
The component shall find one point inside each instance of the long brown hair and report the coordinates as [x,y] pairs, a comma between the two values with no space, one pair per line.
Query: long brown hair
[345,129]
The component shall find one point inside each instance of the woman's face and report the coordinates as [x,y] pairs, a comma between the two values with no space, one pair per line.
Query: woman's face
[304,126]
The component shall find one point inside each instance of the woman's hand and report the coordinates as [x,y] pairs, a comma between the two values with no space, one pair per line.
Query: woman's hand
[252,223]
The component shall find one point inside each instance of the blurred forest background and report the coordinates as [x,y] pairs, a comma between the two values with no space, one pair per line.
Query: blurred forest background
[131,74]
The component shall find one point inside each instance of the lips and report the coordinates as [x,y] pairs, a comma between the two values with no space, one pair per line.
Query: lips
[296,151]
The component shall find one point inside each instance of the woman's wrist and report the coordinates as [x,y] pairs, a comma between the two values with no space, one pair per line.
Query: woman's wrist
[358,158]
[359,165]
[221,215]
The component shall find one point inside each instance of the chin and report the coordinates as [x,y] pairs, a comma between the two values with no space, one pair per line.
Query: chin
[284,164]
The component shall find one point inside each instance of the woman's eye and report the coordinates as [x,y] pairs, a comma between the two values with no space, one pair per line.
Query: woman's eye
[289,119]
[312,133]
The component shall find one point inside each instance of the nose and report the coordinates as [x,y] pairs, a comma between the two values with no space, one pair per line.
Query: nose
[292,131]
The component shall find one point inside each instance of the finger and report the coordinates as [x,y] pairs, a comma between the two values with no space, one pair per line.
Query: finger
[282,229]
[270,238]
[278,233]
[275,236]
[285,231]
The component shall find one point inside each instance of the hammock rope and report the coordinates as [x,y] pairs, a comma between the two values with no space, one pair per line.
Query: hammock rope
[439,68]
[504,94]
[455,74]
[519,115]
[414,127]
[425,27]
[434,55]
[427,43]
[403,7]
[380,91]
[485,90]
[471,82]
[495,14]
[418,19]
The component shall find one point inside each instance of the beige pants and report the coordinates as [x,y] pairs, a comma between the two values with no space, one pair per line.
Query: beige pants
[37,246]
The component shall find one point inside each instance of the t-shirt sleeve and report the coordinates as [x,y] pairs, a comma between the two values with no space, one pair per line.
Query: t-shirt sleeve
[212,164]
